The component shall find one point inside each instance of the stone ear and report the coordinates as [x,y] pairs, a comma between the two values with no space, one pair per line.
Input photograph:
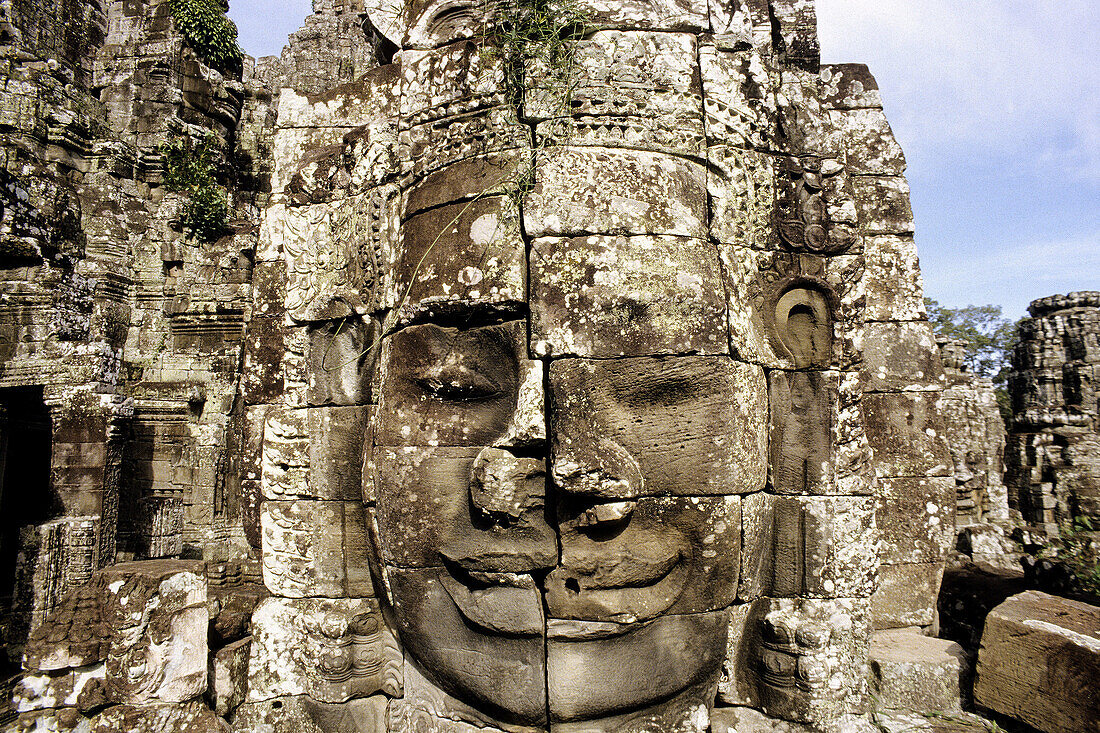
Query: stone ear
[803,326]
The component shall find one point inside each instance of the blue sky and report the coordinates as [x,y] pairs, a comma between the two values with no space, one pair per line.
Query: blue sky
[997,106]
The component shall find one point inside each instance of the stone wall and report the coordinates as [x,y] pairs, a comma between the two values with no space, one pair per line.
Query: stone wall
[1053,452]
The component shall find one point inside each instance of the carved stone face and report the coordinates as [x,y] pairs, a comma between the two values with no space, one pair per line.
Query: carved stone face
[559,535]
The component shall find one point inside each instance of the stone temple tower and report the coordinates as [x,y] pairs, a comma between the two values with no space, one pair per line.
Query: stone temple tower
[565,369]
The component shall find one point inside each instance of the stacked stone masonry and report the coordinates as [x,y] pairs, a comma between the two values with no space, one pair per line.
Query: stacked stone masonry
[1053,450]
[606,408]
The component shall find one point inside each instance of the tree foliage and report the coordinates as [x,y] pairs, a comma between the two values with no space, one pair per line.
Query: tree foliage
[190,168]
[208,31]
[990,336]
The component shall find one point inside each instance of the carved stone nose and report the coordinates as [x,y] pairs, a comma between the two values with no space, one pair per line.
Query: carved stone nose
[598,469]
[504,486]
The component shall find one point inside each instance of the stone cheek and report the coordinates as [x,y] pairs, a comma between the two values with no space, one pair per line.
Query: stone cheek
[652,427]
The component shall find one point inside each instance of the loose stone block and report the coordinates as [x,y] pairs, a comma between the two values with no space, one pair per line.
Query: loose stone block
[315,548]
[904,430]
[582,191]
[815,547]
[638,296]
[650,427]
[849,86]
[1039,660]
[911,671]
[229,676]
[906,595]
[330,649]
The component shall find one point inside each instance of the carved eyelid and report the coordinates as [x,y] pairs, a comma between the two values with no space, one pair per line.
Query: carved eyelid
[456,382]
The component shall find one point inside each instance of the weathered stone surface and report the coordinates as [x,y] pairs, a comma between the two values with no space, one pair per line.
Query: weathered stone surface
[813,547]
[315,548]
[1038,661]
[229,678]
[330,649]
[303,714]
[803,661]
[649,427]
[639,296]
[627,90]
[906,595]
[911,671]
[582,191]
[903,430]
[676,556]
[314,454]
[916,517]
[902,357]
[185,718]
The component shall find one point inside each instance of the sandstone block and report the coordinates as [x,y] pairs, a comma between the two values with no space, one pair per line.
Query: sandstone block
[302,714]
[895,289]
[638,296]
[742,189]
[906,595]
[916,518]
[817,547]
[739,98]
[229,676]
[1039,662]
[905,432]
[582,191]
[651,427]
[911,671]
[315,548]
[902,357]
[330,649]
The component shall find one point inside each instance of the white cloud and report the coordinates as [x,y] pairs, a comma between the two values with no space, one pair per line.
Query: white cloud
[1011,78]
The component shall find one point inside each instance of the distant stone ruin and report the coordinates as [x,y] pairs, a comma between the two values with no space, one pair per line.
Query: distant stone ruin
[571,381]
[1053,453]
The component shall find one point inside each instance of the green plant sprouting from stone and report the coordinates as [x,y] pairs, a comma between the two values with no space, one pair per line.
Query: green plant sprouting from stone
[209,32]
[1077,549]
[189,168]
[533,39]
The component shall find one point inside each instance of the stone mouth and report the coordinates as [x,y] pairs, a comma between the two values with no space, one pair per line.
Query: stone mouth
[622,588]
[510,604]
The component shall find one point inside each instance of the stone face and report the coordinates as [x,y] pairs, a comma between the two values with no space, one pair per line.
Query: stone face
[572,391]
[1052,453]
[1037,662]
